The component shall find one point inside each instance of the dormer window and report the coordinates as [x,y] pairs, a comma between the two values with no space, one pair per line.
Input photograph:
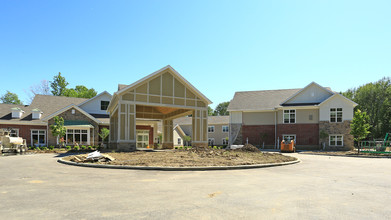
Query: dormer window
[104,105]
[36,113]
[17,112]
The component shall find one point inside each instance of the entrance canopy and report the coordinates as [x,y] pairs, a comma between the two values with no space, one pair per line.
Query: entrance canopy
[163,95]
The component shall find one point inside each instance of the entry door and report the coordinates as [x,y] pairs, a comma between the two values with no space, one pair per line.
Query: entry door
[142,138]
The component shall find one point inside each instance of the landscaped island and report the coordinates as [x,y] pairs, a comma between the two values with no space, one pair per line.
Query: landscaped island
[194,157]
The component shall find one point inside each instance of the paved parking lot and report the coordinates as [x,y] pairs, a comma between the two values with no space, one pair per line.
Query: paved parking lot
[321,187]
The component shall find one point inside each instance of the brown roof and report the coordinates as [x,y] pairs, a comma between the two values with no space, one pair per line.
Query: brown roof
[211,120]
[48,104]
[260,100]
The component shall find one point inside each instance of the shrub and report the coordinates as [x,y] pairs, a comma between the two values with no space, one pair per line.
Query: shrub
[68,147]
[176,147]
[215,147]
[90,148]
[31,148]
[51,147]
[76,148]
[44,148]
[37,148]
[83,147]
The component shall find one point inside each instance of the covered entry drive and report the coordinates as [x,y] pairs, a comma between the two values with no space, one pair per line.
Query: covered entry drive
[162,96]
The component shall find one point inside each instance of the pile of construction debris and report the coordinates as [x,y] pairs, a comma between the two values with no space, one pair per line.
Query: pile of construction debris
[95,156]
[248,148]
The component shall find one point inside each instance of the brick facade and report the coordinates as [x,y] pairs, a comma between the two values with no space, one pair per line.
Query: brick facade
[254,134]
[78,116]
[25,130]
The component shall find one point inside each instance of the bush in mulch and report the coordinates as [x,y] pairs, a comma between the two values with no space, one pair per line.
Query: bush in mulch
[248,148]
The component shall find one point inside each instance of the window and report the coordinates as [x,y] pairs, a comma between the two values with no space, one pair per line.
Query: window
[289,137]
[335,114]
[289,116]
[225,128]
[14,132]
[211,129]
[104,105]
[179,141]
[211,141]
[38,138]
[225,141]
[79,136]
[336,140]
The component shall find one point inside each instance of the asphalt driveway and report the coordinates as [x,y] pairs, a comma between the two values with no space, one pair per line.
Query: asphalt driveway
[321,187]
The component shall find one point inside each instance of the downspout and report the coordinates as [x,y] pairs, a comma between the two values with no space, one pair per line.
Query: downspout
[275,129]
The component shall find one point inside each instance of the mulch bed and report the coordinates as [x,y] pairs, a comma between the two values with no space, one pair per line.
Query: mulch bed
[249,155]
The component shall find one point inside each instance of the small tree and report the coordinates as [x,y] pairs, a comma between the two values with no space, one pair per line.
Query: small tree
[360,127]
[323,135]
[58,129]
[187,139]
[104,133]
[10,98]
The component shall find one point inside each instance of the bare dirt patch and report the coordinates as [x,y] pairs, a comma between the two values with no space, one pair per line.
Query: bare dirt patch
[193,158]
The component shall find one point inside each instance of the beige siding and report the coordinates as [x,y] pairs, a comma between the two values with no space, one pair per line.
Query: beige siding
[258,118]
[235,117]
[176,136]
[218,134]
[336,102]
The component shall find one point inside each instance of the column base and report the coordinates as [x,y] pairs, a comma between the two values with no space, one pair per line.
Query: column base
[168,145]
[125,146]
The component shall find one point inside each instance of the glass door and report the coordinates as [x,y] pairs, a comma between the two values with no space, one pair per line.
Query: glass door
[142,138]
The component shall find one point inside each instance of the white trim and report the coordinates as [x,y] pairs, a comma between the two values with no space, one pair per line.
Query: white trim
[301,90]
[213,139]
[31,136]
[336,115]
[283,113]
[212,126]
[88,100]
[175,73]
[222,128]
[7,122]
[337,94]
[224,139]
[47,118]
[335,135]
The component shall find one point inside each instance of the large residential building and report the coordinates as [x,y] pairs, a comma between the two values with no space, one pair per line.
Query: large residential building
[83,119]
[218,130]
[313,116]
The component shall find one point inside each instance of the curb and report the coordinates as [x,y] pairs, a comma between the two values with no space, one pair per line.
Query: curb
[177,168]
[356,156]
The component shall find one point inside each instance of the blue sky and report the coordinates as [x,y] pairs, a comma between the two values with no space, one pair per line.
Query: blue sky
[233,45]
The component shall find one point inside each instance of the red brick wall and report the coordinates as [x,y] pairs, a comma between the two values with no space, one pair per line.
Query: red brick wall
[306,134]
[253,133]
[25,130]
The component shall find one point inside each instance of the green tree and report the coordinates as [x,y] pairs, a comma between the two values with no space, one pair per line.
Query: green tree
[80,92]
[58,129]
[375,100]
[104,133]
[58,85]
[360,126]
[210,111]
[221,109]
[10,98]
[186,139]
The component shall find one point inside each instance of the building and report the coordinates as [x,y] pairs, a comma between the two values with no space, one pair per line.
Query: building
[161,96]
[313,116]
[83,119]
[218,130]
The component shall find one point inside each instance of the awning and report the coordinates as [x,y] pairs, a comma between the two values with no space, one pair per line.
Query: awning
[77,123]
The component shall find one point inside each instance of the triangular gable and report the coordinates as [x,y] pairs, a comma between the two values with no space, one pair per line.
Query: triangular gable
[313,93]
[140,84]
[47,118]
[95,97]
[179,130]
[337,95]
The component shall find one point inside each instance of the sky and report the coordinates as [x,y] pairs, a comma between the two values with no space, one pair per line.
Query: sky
[219,46]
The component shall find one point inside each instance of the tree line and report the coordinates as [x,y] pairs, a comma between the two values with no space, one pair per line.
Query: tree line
[57,87]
